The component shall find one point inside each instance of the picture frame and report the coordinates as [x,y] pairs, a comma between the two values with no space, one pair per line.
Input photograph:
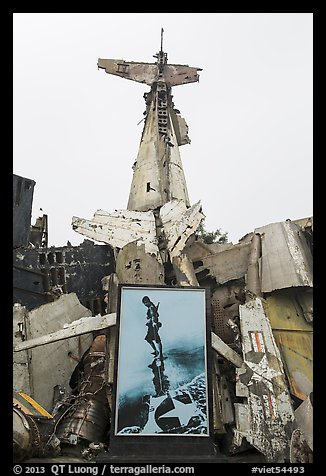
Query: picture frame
[161,385]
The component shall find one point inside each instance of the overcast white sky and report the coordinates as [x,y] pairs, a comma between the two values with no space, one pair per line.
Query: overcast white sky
[250,116]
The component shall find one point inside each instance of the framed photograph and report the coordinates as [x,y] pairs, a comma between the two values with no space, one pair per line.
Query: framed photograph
[161,367]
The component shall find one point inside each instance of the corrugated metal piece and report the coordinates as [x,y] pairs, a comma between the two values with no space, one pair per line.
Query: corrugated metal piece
[269,402]
[286,258]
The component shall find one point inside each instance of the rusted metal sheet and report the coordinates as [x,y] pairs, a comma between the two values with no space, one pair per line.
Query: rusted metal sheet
[271,416]
[120,228]
[286,258]
[88,417]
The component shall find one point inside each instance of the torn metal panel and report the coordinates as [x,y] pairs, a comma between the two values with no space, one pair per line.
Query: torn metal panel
[45,374]
[286,257]
[110,286]
[179,224]
[184,271]
[305,299]
[198,249]
[136,266]
[180,127]
[305,223]
[38,236]
[23,189]
[269,402]
[227,265]
[120,228]
[243,423]
[304,417]
[21,360]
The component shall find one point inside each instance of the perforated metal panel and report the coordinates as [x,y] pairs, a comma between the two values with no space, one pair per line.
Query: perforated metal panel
[220,317]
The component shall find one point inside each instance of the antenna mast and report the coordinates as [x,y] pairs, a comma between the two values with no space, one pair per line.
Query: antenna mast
[162,31]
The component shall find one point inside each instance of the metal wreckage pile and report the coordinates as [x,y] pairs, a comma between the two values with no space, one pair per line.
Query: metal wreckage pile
[258,292]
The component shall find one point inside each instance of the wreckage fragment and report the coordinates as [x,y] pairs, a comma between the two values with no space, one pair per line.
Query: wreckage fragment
[86,415]
[267,420]
[43,320]
[286,258]
[32,429]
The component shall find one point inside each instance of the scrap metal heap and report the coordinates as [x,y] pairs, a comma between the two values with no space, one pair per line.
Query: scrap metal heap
[259,303]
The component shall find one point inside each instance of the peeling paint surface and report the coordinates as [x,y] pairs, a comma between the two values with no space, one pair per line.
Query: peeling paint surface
[120,228]
[179,224]
[269,402]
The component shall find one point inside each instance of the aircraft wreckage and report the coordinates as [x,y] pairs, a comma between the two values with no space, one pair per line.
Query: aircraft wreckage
[258,303]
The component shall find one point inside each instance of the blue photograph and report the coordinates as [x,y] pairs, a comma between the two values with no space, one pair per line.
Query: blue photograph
[162,362]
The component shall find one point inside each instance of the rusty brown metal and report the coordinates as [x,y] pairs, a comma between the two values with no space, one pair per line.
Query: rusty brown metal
[89,413]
